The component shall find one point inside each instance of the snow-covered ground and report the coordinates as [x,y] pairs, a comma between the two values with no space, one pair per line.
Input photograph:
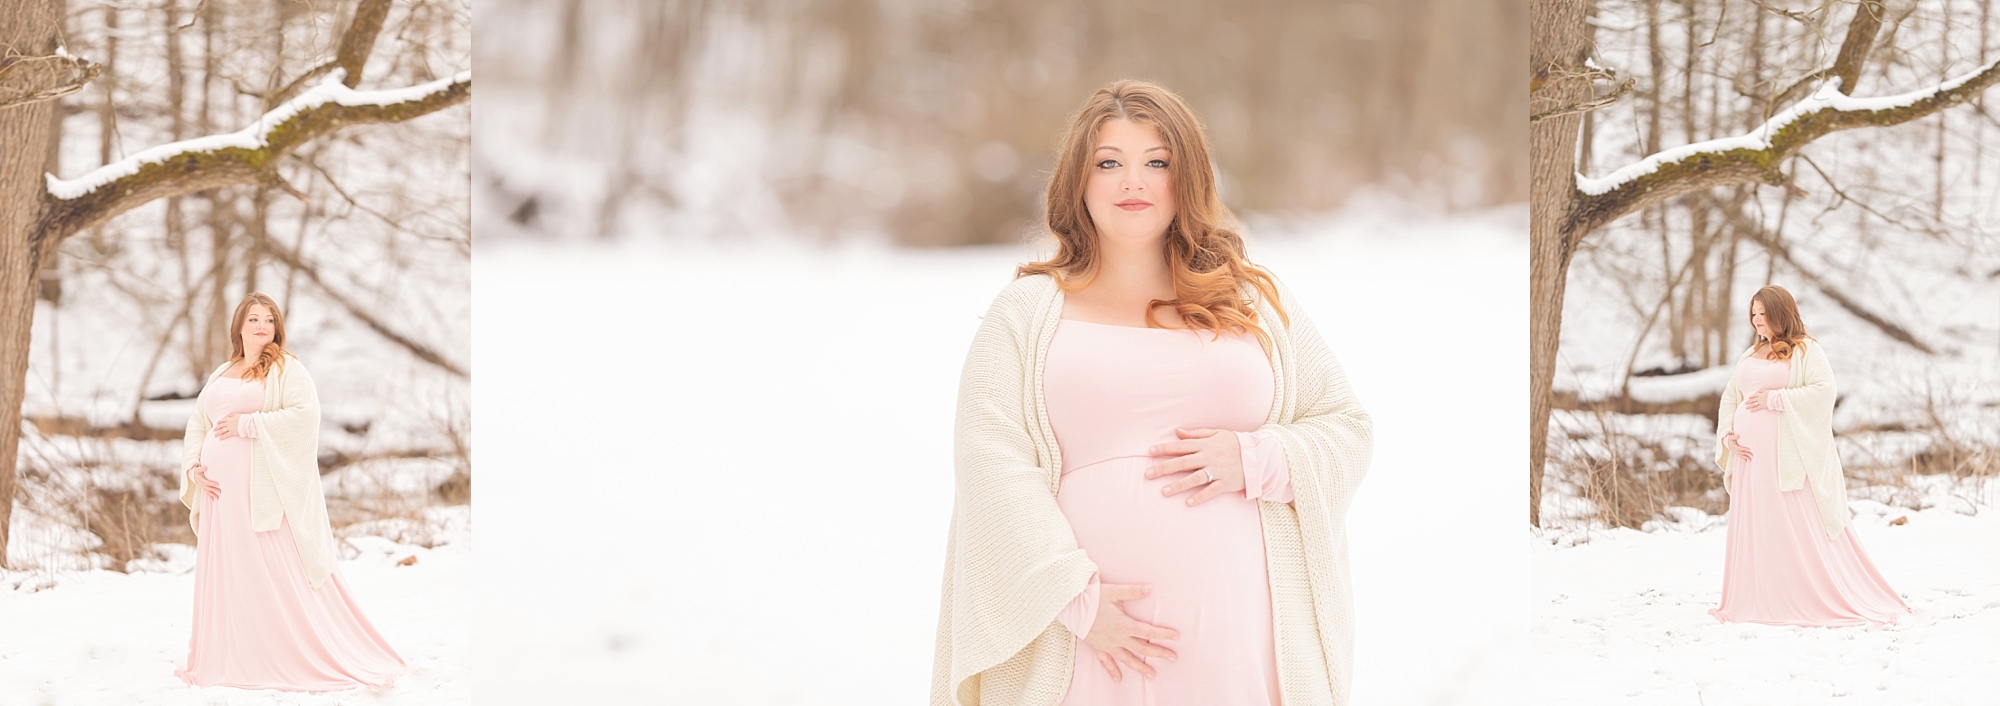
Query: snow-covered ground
[716,475]
[102,637]
[1623,618]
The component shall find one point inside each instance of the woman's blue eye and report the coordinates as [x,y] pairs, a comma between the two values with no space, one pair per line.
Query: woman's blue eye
[1108,164]
[1157,164]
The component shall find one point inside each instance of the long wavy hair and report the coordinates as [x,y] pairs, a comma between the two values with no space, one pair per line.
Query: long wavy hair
[273,355]
[1204,252]
[1781,313]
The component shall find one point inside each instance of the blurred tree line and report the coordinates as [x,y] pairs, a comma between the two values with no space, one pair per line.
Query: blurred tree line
[934,122]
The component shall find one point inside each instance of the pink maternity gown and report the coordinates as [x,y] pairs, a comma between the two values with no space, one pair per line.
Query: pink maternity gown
[1781,568]
[258,624]
[1112,392]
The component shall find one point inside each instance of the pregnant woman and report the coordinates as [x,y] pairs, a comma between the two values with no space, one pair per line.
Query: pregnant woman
[1792,559]
[1154,457]
[270,608]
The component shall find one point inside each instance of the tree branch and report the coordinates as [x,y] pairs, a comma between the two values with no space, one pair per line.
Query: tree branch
[1860,41]
[34,79]
[1754,157]
[359,39]
[1757,233]
[1797,90]
[248,156]
[421,351]
[1586,106]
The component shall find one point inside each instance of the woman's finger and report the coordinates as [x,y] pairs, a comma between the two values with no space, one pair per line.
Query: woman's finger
[1128,659]
[1150,631]
[1191,480]
[1151,650]
[1207,492]
[1173,448]
[1171,466]
[1119,592]
[1110,667]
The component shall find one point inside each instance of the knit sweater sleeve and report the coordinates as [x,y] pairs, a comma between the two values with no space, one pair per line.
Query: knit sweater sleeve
[1328,446]
[1013,564]
[1328,441]
[1815,393]
[284,482]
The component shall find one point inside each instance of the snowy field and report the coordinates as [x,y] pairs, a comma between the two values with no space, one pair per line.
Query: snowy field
[1624,619]
[721,475]
[102,637]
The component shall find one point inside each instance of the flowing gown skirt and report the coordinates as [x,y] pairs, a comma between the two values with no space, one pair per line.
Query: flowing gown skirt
[258,624]
[1781,568]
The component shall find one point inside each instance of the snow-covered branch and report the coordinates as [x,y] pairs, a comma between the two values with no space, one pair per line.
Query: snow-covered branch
[1755,156]
[247,156]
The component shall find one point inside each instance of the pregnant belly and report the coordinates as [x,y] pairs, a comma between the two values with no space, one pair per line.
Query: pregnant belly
[1756,430]
[227,460]
[1208,559]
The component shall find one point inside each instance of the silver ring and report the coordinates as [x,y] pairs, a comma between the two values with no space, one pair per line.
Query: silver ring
[1210,476]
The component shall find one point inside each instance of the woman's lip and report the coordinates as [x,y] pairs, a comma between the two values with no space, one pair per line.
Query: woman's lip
[1133,204]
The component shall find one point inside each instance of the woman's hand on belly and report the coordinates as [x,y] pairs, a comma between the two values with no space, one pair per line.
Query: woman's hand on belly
[1741,451]
[1755,402]
[226,427]
[1121,639]
[209,488]
[1211,458]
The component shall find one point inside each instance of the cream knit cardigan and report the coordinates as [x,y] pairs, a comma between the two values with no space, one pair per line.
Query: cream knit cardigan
[1012,564]
[284,464]
[1805,434]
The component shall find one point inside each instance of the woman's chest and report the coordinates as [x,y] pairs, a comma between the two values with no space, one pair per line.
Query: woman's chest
[1756,373]
[1095,368]
[228,395]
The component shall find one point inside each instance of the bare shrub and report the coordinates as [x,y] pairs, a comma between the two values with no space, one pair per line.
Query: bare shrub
[1627,479]
[129,518]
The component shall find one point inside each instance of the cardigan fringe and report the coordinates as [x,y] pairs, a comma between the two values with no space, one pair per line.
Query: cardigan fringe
[1011,561]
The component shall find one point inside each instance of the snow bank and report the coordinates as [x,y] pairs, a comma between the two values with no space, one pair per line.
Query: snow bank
[1623,619]
[1674,388]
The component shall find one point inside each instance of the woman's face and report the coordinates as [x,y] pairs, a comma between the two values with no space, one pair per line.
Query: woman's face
[1758,321]
[258,326]
[1130,190]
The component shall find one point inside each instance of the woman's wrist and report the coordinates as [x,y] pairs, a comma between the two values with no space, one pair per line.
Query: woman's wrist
[1081,613]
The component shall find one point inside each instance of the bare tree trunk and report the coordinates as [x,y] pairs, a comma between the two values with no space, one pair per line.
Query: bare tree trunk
[1557,48]
[27,28]
[1656,63]
[1694,308]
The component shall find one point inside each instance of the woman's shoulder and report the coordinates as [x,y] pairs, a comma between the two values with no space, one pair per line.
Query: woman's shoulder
[289,364]
[1024,294]
[1810,347]
[1256,299]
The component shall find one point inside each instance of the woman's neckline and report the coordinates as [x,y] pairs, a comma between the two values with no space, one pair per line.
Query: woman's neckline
[1134,328]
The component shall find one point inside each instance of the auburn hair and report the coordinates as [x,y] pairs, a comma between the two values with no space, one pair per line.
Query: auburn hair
[1205,258]
[273,355]
[1781,313]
